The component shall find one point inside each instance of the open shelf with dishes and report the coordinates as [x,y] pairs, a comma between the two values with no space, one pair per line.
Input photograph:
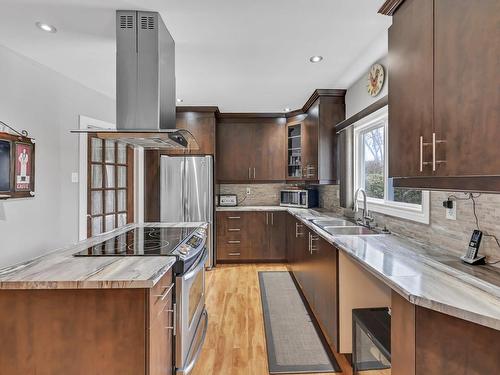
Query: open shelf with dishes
[294,151]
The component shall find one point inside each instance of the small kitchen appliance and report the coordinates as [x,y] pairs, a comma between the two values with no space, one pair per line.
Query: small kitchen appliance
[305,198]
[228,200]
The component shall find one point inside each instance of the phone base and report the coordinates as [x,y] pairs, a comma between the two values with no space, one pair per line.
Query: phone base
[477,260]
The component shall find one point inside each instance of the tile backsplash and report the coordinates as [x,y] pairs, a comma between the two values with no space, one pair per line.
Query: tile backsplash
[450,235]
[260,194]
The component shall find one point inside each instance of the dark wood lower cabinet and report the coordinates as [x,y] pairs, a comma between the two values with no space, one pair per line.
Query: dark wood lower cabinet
[314,264]
[326,304]
[426,342]
[86,331]
[251,236]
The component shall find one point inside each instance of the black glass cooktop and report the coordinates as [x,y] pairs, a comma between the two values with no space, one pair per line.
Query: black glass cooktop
[141,241]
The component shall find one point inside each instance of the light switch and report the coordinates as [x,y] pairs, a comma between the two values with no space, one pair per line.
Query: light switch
[74,177]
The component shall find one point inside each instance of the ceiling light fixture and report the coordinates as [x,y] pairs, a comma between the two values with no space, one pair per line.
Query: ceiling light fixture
[179,100]
[315,59]
[287,109]
[46,27]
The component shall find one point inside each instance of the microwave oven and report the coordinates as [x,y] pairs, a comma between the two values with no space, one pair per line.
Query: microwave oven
[299,198]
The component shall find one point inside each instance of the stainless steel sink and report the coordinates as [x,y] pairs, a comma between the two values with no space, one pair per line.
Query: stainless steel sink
[349,231]
[332,223]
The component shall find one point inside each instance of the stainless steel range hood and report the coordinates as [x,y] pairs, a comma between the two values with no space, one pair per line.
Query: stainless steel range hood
[145,85]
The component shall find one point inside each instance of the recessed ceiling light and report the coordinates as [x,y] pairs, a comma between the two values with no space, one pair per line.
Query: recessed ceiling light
[179,100]
[287,109]
[46,27]
[315,59]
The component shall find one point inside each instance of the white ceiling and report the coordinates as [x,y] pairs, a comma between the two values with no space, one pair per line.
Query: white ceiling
[242,55]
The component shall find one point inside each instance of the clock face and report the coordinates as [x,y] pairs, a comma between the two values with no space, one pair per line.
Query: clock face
[375,79]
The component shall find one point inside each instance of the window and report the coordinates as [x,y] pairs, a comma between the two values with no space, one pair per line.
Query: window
[371,172]
[110,190]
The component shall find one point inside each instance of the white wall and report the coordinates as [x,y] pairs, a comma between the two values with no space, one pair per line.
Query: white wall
[47,105]
[357,97]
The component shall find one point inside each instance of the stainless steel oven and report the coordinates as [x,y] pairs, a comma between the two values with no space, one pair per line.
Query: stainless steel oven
[192,316]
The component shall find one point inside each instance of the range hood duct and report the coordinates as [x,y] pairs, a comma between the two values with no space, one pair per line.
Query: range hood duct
[145,85]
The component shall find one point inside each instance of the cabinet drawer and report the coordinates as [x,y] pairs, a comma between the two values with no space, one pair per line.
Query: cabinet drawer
[161,295]
[231,252]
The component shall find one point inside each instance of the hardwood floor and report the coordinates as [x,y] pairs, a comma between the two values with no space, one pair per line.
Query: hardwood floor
[235,343]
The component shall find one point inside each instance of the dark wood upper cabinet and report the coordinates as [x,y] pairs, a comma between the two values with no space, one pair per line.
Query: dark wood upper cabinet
[269,149]
[234,151]
[317,147]
[250,149]
[443,94]
[466,87]
[410,89]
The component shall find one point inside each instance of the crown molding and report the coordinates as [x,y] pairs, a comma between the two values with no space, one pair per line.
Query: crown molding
[390,6]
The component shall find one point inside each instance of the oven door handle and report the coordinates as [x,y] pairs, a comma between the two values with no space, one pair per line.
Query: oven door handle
[196,268]
[186,370]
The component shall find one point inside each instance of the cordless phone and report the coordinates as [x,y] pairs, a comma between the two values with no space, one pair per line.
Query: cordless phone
[471,256]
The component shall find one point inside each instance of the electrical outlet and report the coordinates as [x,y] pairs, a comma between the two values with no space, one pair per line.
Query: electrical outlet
[451,213]
[249,191]
[74,177]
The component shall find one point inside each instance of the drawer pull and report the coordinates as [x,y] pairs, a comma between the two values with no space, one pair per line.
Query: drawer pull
[234,217]
[233,229]
[165,293]
[234,242]
[234,254]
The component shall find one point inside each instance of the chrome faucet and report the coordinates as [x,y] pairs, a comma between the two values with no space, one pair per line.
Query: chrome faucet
[366,219]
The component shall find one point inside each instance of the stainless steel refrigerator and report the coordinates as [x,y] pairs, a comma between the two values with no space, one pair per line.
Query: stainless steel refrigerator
[186,193]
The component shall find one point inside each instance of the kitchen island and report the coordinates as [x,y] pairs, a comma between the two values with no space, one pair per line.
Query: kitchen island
[61,314]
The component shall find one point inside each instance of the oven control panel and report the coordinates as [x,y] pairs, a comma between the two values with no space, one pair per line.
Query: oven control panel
[193,244]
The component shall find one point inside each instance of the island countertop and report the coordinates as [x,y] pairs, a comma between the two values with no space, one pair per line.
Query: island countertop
[59,269]
[425,276]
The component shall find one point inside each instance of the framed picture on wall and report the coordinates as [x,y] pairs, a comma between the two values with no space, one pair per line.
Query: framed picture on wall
[17,166]
[23,166]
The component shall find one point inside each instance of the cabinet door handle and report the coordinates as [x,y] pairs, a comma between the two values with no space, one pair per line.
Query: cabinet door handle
[254,173]
[421,153]
[173,327]
[272,218]
[166,292]
[434,161]
[313,238]
[232,242]
[234,217]
[233,230]
[234,254]
[297,233]
[267,218]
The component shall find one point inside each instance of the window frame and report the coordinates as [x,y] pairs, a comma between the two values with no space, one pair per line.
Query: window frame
[409,211]
[129,186]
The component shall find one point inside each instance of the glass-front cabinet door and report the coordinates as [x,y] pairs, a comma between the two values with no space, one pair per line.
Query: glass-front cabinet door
[294,151]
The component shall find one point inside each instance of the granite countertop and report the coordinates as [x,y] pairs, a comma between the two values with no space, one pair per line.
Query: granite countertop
[423,275]
[59,269]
